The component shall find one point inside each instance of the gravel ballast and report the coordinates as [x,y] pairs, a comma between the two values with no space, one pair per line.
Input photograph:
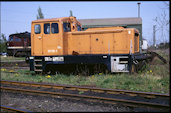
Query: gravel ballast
[57,104]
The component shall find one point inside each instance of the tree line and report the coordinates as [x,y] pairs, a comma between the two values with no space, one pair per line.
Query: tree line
[3,41]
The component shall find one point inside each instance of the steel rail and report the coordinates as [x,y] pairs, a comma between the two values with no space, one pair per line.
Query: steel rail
[12,109]
[92,89]
[147,104]
[78,88]
[15,61]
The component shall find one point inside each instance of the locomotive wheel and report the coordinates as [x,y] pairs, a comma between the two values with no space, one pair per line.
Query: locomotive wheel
[82,70]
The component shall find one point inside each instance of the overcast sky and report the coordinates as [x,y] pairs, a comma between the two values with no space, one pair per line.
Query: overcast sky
[17,16]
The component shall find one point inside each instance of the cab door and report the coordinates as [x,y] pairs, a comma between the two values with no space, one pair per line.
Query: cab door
[51,39]
[37,39]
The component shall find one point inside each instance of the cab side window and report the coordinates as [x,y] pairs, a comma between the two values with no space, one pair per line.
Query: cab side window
[78,28]
[17,39]
[67,27]
[11,39]
[37,29]
[47,28]
[54,28]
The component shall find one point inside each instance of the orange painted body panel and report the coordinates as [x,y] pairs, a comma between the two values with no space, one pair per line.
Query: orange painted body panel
[109,40]
[102,42]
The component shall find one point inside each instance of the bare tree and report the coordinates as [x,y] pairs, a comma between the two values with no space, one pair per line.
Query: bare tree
[162,23]
[166,5]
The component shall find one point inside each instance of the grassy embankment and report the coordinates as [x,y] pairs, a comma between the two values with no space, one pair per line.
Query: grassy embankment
[155,78]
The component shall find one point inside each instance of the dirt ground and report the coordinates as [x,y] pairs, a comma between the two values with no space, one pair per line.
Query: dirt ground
[57,104]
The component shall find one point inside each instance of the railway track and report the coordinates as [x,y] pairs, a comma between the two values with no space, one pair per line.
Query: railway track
[13,61]
[12,109]
[17,63]
[129,98]
[14,70]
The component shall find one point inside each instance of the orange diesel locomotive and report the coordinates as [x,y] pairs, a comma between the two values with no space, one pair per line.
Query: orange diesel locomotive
[60,42]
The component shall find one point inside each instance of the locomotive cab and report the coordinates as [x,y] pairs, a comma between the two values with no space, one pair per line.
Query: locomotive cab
[47,35]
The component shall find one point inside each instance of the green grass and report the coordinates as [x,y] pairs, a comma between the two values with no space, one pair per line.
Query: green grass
[136,82]
[155,78]
[11,58]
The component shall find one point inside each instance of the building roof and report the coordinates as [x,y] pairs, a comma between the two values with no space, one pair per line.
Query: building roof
[111,21]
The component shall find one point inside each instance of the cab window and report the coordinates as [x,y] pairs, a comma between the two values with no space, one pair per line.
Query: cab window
[78,28]
[67,27]
[136,34]
[17,39]
[47,28]
[11,39]
[37,29]
[54,28]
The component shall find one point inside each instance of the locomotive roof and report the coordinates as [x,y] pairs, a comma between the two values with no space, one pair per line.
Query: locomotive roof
[46,20]
[21,35]
[55,19]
